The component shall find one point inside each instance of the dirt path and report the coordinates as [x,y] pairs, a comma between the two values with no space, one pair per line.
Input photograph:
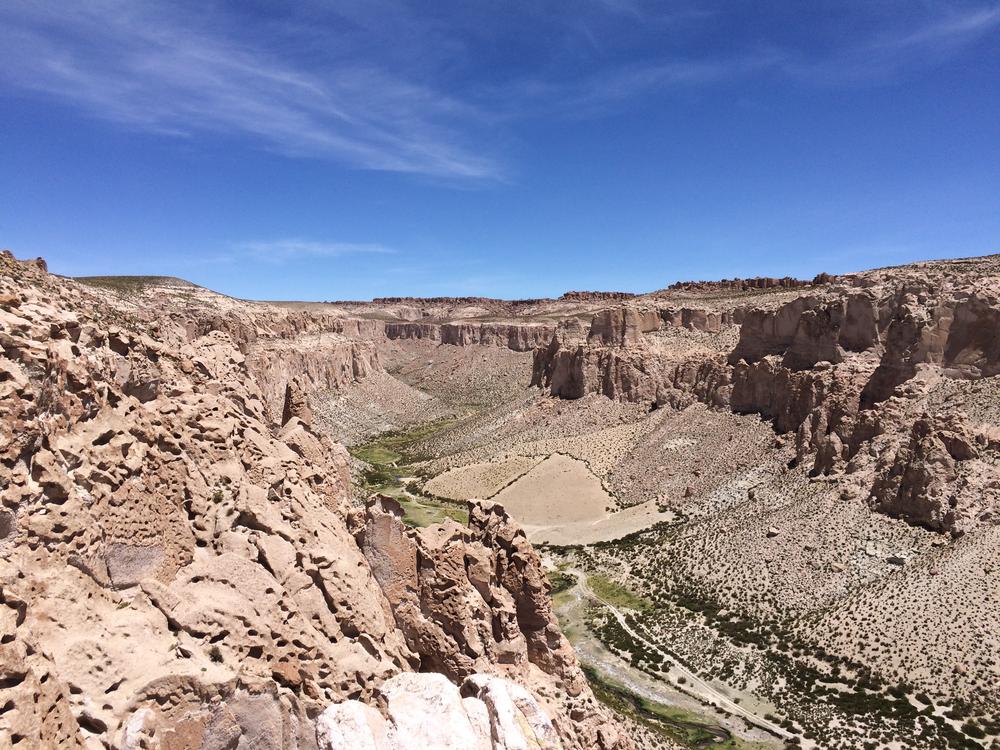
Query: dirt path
[697,686]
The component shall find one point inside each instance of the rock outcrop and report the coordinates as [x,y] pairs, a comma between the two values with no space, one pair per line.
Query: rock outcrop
[426,711]
[936,477]
[838,368]
[809,330]
[596,296]
[318,363]
[520,338]
[177,567]
[470,597]
[743,285]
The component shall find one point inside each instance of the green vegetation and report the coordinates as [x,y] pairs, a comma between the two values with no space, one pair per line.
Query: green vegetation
[616,594]
[389,457]
[810,686]
[376,454]
[678,725]
[561,581]
[427,513]
[398,446]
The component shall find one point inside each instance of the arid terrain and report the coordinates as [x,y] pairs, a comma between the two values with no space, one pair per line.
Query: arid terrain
[755,513]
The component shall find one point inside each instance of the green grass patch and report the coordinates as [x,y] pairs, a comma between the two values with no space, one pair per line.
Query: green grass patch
[376,454]
[396,447]
[616,594]
[683,727]
[388,457]
[420,514]
[561,581]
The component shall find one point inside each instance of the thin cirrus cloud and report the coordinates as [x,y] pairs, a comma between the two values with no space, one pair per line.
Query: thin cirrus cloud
[141,65]
[891,52]
[395,91]
[285,250]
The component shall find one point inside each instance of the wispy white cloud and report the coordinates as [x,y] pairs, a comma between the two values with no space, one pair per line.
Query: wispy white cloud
[935,36]
[284,250]
[146,66]
[400,86]
[605,90]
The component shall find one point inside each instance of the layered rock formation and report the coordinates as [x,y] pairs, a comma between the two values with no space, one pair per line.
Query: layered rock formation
[743,285]
[615,358]
[520,338]
[853,362]
[320,362]
[177,568]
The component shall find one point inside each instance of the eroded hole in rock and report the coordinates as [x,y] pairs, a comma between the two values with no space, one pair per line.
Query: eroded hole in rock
[91,724]
[11,680]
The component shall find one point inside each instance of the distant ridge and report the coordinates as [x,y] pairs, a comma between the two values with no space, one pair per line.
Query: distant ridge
[133,284]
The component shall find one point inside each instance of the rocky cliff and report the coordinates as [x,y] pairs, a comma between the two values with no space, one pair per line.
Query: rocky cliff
[743,285]
[518,337]
[852,370]
[617,359]
[181,571]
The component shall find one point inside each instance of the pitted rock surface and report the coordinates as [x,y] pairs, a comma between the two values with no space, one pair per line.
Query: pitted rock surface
[177,569]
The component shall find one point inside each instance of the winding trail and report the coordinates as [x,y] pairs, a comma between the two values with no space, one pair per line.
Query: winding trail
[702,690]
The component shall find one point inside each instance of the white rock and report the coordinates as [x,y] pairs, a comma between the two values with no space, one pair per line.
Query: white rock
[140,726]
[352,725]
[518,721]
[479,717]
[427,713]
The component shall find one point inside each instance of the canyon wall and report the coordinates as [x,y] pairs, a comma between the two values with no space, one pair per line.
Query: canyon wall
[850,370]
[180,570]
[518,337]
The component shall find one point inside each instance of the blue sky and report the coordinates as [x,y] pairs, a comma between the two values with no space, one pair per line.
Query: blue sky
[332,150]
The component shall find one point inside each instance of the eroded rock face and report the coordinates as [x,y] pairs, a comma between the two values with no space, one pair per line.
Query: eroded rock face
[573,371]
[619,326]
[469,597]
[926,480]
[324,362]
[695,319]
[177,569]
[758,282]
[809,330]
[842,366]
[520,338]
[296,403]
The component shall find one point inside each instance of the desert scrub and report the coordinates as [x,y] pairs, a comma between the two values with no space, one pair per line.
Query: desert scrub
[127,285]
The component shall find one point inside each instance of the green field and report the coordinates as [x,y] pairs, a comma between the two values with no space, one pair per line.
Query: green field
[377,454]
[389,456]
[426,512]
[685,728]
[616,594]
[399,446]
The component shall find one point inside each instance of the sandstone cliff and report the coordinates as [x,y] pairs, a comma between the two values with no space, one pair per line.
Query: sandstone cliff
[519,337]
[178,569]
[853,362]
